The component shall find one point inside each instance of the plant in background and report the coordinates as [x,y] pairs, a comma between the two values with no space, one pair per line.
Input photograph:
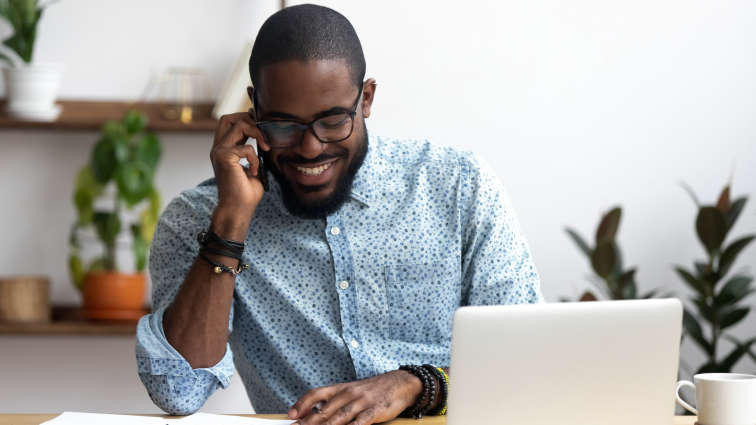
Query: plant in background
[126,155]
[19,25]
[719,306]
[606,260]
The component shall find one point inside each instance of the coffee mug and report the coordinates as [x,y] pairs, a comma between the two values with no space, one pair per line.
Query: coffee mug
[722,398]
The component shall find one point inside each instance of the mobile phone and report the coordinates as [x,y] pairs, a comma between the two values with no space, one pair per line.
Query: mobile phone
[262,172]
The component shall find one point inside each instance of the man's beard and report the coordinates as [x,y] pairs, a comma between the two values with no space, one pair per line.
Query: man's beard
[324,207]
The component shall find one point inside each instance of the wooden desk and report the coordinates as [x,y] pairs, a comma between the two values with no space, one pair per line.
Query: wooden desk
[12,419]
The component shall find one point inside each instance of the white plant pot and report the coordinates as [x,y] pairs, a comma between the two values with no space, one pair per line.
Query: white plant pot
[32,90]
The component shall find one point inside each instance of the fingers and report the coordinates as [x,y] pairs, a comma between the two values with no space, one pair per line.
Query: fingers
[247,151]
[303,406]
[339,410]
[366,417]
[234,129]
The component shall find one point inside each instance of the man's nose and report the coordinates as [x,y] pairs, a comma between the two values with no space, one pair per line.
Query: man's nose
[310,147]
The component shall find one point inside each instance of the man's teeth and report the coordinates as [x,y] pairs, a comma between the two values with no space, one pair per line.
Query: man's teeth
[314,171]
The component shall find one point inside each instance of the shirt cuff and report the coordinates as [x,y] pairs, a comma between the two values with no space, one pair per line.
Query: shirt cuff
[156,356]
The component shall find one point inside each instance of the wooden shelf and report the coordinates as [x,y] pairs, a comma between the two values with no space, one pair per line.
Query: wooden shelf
[69,320]
[90,115]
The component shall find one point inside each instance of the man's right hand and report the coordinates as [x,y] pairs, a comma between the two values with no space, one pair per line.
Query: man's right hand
[239,189]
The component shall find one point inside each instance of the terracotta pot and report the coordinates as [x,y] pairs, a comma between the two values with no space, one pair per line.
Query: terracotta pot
[110,295]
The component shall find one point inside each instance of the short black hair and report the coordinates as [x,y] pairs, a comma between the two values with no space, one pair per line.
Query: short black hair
[307,32]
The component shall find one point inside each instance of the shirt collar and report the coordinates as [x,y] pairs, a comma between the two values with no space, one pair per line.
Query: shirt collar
[363,184]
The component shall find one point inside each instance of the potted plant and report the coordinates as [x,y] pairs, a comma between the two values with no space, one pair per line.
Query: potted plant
[606,260]
[30,87]
[718,301]
[123,160]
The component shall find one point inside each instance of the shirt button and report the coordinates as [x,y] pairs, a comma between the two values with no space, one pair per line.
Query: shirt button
[343,284]
[335,230]
[355,344]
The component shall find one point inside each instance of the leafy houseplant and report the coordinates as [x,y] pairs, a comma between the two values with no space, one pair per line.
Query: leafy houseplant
[126,156]
[606,260]
[31,88]
[719,306]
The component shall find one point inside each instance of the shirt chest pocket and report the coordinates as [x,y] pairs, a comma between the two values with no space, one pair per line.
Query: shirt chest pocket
[422,299]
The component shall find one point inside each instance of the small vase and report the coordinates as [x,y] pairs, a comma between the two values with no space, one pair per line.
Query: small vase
[32,90]
[114,296]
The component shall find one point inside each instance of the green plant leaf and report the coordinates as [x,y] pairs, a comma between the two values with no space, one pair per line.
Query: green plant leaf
[737,288]
[148,150]
[706,311]
[579,241]
[134,121]
[735,355]
[108,226]
[735,210]
[731,253]
[99,264]
[629,291]
[76,271]
[609,225]
[697,285]
[711,227]
[692,194]
[134,181]
[140,248]
[603,258]
[84,206]
[155,203]
[733,317]
[693,329]
[723,203]
[103,161]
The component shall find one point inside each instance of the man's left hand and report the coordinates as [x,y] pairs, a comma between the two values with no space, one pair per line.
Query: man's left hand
[372,400]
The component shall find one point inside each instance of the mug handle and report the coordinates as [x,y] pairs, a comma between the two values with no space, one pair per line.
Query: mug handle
[682,402]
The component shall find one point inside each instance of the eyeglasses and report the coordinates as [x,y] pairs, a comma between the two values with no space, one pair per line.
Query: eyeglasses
[331,128]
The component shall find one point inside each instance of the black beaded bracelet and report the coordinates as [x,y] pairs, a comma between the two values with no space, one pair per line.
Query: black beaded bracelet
[220,268]
[443,391]
[428,397]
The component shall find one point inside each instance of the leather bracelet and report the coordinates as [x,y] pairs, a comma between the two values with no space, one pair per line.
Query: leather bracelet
[219,251]
[220,268]
[206,236]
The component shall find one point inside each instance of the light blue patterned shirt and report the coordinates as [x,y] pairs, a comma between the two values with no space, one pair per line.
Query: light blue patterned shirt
[375,285]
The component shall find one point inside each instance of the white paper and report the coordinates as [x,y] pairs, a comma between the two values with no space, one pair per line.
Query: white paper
[210,419]
[78,418]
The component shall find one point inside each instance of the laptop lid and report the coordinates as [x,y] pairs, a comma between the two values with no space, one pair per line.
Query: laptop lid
[565,363]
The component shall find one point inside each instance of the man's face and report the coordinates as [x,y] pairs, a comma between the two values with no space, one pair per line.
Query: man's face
[315,177]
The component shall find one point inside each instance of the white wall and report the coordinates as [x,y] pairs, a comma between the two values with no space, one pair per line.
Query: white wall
[579,106]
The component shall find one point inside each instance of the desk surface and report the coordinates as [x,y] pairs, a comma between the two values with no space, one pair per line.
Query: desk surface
[23,419]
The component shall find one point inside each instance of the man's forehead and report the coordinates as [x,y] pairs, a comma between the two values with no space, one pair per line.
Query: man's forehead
[302,88]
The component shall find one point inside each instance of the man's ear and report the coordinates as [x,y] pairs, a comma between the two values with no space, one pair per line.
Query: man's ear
[368,94]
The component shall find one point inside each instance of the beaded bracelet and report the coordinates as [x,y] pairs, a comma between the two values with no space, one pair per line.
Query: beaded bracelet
[428,397]
[443,380]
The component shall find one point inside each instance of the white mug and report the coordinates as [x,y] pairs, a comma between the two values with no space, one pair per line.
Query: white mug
[722,398]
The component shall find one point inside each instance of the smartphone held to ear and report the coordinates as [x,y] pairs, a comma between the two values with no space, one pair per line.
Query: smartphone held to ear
[261,171]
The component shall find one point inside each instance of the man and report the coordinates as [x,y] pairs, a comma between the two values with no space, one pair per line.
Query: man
[358,254]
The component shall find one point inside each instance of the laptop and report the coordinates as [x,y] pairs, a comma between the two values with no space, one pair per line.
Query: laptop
[603,362]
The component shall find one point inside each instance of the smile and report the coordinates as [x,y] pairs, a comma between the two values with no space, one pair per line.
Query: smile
[314,171]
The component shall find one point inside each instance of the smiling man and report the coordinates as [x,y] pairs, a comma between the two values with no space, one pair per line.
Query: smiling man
[332,293]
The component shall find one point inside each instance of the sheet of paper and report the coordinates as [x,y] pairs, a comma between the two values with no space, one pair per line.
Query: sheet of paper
[210,419]
[78,418]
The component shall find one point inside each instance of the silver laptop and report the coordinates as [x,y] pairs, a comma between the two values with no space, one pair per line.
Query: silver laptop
[565,363]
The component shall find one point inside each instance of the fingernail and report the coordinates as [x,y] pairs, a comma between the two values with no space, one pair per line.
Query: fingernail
[292,413]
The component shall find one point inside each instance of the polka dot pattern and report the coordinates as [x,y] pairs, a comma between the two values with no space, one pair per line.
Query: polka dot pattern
[426,229]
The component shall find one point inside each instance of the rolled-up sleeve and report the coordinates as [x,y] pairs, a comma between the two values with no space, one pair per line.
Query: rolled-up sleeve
[497,266]
[168,377]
